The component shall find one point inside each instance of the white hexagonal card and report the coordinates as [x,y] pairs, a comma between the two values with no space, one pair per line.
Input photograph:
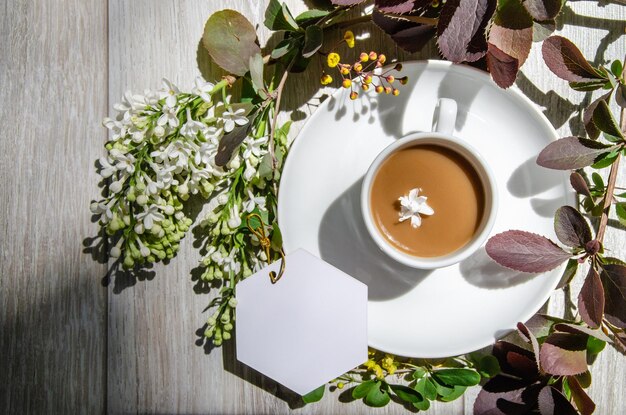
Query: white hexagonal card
[307,328]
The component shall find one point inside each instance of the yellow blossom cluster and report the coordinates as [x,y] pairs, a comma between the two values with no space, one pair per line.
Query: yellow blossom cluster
[363,73]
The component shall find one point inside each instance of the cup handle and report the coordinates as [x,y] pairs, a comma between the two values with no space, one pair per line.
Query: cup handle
[444,118]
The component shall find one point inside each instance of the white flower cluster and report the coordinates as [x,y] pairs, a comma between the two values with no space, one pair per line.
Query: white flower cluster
[161,150]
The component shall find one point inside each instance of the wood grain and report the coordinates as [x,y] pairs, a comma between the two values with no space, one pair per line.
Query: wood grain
[53,82]
[62,66]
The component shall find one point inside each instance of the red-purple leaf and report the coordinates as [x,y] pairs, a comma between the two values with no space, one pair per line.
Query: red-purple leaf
[542,10]
[410,36]
[571,227]
[591,300]
[503,68]
[566,61]
[394,6]
[583,402]
[231,41]
[553,402]
[581,329]
[620,95]
[571,153]
[525,251]
[614,281]
[530,337]
[579,184]
[504,395]
[564,354]
[590,126]
[603,119]
[461,23]
[514,42]
[516,361]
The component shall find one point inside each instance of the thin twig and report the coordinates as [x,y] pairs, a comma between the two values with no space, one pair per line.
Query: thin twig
[279,94]
[610,188]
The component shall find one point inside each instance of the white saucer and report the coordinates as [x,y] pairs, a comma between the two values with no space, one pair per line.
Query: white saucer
[416,313]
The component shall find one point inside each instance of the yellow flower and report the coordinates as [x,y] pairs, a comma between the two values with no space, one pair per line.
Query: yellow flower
[395,92]
[346,83]
[345,70]
[349,38]
[373,56]
[382,59]
[326,79]
[364,57]
[333,59]
[379,89]
[357,67]
[354,95]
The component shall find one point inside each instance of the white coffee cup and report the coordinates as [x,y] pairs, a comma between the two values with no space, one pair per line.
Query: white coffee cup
[443,122]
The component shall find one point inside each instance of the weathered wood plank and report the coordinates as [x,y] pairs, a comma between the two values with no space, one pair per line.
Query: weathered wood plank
[154,364]
[53,78]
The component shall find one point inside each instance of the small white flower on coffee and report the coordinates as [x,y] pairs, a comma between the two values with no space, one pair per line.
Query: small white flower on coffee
[412,205]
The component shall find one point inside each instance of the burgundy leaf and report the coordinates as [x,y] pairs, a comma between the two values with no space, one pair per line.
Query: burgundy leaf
[230,142]
[571,227]
[603,119]
[514,42]
[459,23]
[566,61]
[395,6]
[525,251]
[581,329]
[614,281]
[515,361]
[564,354]
[504,395]
[579,184]
[346,2]
[590,126]
[591,300]
[553,402]
[410,36]
[503,68]
[571,153]
[530,337]
[542,10]
[583,402]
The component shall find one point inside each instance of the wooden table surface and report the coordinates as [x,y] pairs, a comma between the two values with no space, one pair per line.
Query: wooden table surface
[74,340]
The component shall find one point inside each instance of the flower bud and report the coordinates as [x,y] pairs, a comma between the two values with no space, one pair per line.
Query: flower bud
[363,57]
[159,131]
[234,163]
[116,186]
[222,199]
[333,59]
[382,59]
[398,67]
[232,302]
[357,67]
[354,95]
[390,78]
[142,200]
[139,228]
[379,89]
[183,189]
[346,83]
[226,335]
[140,186]
[94,207]
[115,252]
[373,56]
[326,79]
[169,210]
[387,90]
[395,92]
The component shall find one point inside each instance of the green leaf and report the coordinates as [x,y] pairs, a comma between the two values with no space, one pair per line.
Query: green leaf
[456,393]
[315,395]
[570,271]
[603,119]
[594,345]
[278,17]
[313,39]
[419,373]
[426,387]
[277,237]
[304,17]
[422,405]
[616,68]
[620,211]
[378,395]
[488,366]
[363,389]
[460,377]
[587,86]
[606,160]
[231,41]
[597,180]
[256,73]
[283,47]
[407,394]
[443,390]
[612,138]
